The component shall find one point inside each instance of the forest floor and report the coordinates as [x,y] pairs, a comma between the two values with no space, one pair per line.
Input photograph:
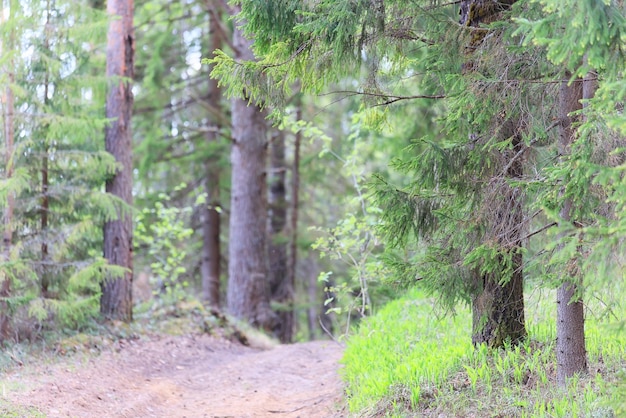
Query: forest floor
[179,376]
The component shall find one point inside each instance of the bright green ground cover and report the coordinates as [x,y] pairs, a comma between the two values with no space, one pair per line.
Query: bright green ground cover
[406,361]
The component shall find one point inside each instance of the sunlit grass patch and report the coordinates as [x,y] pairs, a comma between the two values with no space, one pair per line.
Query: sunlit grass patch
[403,351]
[407,362]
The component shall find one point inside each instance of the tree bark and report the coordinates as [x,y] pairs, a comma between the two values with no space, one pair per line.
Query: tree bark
[248,295]
[310,275]
[498,310]
[571,355]
[8,101]
[292,263]
[282,289]
[116,299]
[498,306]
[211,252]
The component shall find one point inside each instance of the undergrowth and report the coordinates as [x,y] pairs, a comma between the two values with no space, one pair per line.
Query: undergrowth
[182,318]
[408,362]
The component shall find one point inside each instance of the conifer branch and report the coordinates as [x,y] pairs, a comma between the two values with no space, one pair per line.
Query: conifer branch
[390,98]
[538,231]
[297,52]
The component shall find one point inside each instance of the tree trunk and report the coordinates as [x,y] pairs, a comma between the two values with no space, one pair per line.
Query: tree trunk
[282,289]
[292,263]
[571,356]
[498,306]
[310,275]
[211,254]
[45,201]
[248,295]
[116,300]
[8,102]
[498,310]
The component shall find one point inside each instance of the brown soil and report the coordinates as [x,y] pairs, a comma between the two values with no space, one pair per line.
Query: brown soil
[183,376]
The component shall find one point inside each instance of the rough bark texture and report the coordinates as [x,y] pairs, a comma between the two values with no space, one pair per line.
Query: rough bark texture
[498,311]
[498,308]
[211,252]
[477,12]
[248,293]
[282,289]
[571,356]
[8,108]
[116,300]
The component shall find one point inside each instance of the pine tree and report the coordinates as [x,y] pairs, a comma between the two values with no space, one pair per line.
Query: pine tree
[116,300]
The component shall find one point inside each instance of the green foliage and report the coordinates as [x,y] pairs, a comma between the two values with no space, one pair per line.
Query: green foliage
[180,133]
[163,234]
[426,366]
[353,283]
[58,162]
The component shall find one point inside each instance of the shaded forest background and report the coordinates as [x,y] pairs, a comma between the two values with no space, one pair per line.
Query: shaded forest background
[56,164]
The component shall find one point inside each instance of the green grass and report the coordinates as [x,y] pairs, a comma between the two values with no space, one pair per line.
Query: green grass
[13,411]
[406,361]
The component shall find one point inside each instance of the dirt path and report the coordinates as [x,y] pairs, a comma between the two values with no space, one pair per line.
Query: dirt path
[191,376]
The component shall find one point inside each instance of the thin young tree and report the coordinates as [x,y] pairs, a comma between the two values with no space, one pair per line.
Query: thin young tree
[571,356]
[280,286]
[589,148]
[8,112]
[116,300]
[211,219]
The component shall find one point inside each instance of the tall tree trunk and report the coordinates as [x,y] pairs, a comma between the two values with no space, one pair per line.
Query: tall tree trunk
[498,306]
[571,355]
[248,295]
[116,301]
[45,201]
[282,288]
[8,102]
[45,209]
[292,262]
[211,253]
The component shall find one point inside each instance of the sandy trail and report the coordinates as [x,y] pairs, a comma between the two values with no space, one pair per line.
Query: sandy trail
[185,376]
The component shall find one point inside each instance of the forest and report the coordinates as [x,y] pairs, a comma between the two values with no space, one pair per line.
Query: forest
[435,189]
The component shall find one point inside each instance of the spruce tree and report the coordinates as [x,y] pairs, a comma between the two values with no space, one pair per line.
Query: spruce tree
[328,40]
[584,41]
[57,166]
